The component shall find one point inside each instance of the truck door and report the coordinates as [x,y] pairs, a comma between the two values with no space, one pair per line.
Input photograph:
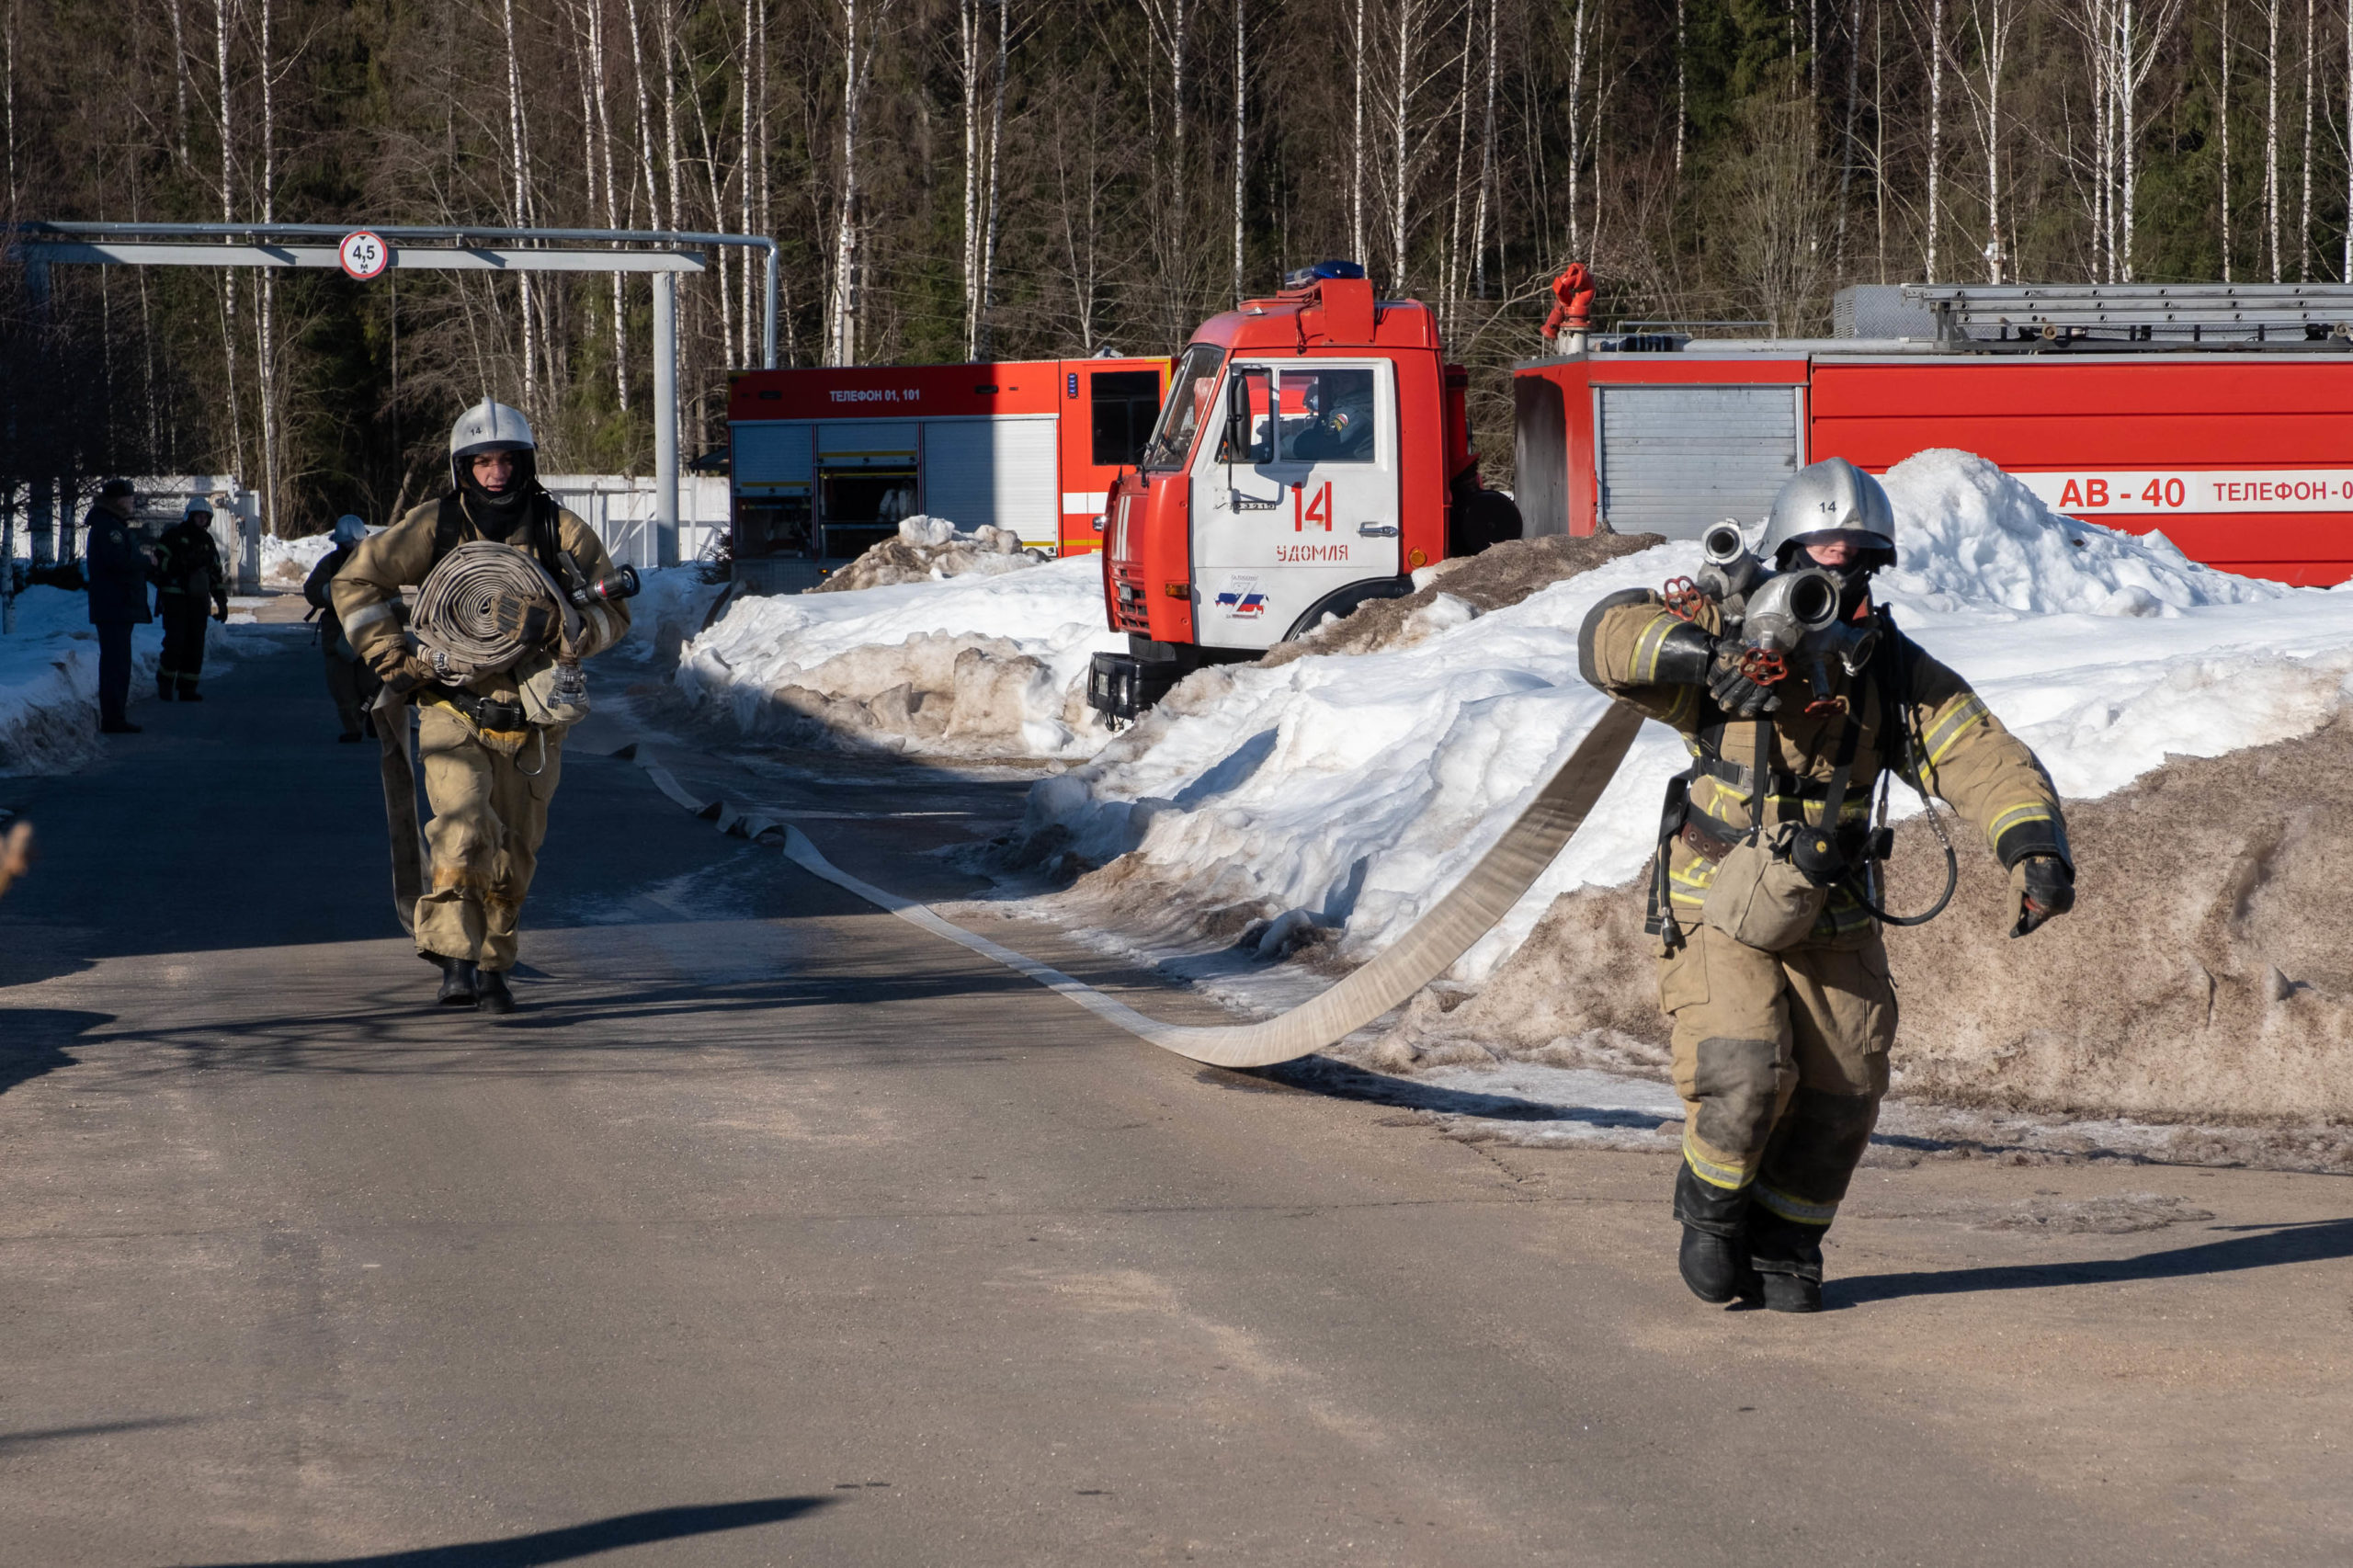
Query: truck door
[1311,506]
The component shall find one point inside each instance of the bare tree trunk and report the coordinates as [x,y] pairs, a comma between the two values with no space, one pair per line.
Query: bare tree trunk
[1241,134]
[1451,287]
[604,153]
[1578,36]
[1356,141]
[858,62]
[1935,122]
[997,145]
[671,153]
[1400,171]
[228,215]
[711,188]
[2347,259]
[1850,151]
[1683,83]
[1487,155]
[266,347]
[2271,137]
[2224,116]
[180,89]
[644,119]
[2304,227]
[519,150]
[1992,22]
[968,38]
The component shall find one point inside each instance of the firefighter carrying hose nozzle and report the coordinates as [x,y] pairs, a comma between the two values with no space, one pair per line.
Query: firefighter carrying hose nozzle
[513,592]
[1798,698]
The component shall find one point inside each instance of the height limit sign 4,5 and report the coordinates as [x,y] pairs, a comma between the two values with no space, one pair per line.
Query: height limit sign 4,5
[364,256]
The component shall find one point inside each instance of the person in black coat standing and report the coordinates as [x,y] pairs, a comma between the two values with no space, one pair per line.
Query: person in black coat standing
[117,568]
[190,579]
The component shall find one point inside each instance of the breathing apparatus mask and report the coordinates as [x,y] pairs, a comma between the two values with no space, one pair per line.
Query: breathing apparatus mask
[1800,620]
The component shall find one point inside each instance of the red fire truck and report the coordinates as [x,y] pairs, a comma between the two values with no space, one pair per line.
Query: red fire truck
[1312,452]
[2221,414]
[826,462]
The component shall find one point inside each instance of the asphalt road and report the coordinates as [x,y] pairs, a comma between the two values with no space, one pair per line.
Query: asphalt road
[774,1231]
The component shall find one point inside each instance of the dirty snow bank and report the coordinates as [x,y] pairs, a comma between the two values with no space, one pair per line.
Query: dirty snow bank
[49,681]
[987,663]
[1327,802]
[933,550]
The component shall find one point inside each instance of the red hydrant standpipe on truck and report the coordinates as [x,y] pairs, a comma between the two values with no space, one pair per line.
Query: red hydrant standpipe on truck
[1314,451]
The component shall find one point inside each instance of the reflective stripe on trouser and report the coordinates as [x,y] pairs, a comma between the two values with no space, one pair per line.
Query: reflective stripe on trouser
[1781,1061]
[183,617]
[488,819]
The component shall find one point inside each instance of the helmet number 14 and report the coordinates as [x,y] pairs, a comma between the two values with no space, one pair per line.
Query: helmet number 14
[1317,510]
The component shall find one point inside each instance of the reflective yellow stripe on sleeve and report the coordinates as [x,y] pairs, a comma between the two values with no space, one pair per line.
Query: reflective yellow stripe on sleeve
[1945,731]
[1646,649]
[2011,816]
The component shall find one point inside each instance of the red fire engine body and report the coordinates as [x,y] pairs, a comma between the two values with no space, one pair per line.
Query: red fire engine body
[1314,451]
[827,461]
[2241,454]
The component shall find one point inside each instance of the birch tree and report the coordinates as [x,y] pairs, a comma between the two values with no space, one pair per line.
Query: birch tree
[1992,23]
[858,39]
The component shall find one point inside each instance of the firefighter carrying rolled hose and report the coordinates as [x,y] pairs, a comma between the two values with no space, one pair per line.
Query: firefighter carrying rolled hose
[1796,695]
[490,730]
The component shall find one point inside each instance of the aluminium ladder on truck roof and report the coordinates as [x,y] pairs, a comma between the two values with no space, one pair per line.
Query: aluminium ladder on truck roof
[2199,311]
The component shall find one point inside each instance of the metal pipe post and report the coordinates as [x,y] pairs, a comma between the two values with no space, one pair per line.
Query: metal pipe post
[767,338]
[666,419]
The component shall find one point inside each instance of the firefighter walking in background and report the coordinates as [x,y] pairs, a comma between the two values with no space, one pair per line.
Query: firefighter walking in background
[350,683]
[189,586]
[491,746]
[1771,965]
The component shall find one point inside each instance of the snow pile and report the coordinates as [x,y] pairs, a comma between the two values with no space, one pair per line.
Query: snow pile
[975,665]
[1326,802]
[1971,534]
[671,606]
[933,550]
[49,681]
[287,562]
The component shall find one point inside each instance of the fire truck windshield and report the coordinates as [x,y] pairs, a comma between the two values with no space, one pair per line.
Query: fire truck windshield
[1188,389]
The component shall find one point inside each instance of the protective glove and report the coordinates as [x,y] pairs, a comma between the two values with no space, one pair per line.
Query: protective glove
[221,611]
[402,672]
[2043,887]
[1734,691]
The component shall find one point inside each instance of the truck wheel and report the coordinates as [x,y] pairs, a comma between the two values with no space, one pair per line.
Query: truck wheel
[1482,517]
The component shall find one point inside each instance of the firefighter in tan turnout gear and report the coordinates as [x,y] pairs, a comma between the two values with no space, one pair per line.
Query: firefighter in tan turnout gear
[1797,697]
[491,746]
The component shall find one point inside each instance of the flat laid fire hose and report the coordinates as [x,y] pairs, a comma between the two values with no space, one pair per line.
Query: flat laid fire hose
[474,615]
[1426,951]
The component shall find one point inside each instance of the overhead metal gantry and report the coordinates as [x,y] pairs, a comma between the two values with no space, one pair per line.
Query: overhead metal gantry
[662,254]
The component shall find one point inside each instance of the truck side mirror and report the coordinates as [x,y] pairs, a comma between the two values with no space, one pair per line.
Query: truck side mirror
[1237,416]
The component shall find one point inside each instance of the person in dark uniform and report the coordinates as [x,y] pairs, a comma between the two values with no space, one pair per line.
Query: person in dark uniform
[350,683]
[189,579]
[117,569]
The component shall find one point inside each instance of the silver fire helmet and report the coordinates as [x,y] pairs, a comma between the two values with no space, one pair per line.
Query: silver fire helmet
[1831,500]
[349,529]
[197,507]
[489,426]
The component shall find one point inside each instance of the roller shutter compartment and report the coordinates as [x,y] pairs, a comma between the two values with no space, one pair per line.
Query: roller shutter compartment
[1675,459]
[997,471]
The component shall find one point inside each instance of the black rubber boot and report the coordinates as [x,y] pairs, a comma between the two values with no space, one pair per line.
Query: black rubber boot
[491,995]
[166,689]
[459,980]
[190,694]
[1788,1258]
[1714,1255]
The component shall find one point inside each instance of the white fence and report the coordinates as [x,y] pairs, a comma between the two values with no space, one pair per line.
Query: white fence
[621,511]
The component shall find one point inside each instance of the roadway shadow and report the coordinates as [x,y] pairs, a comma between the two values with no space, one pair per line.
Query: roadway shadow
[1339,1080]
[2310,1241]
[33,1040]
[574,1542]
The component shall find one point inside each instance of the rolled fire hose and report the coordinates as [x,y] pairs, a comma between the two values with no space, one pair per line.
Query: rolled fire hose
[473,616]
[1426,951]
